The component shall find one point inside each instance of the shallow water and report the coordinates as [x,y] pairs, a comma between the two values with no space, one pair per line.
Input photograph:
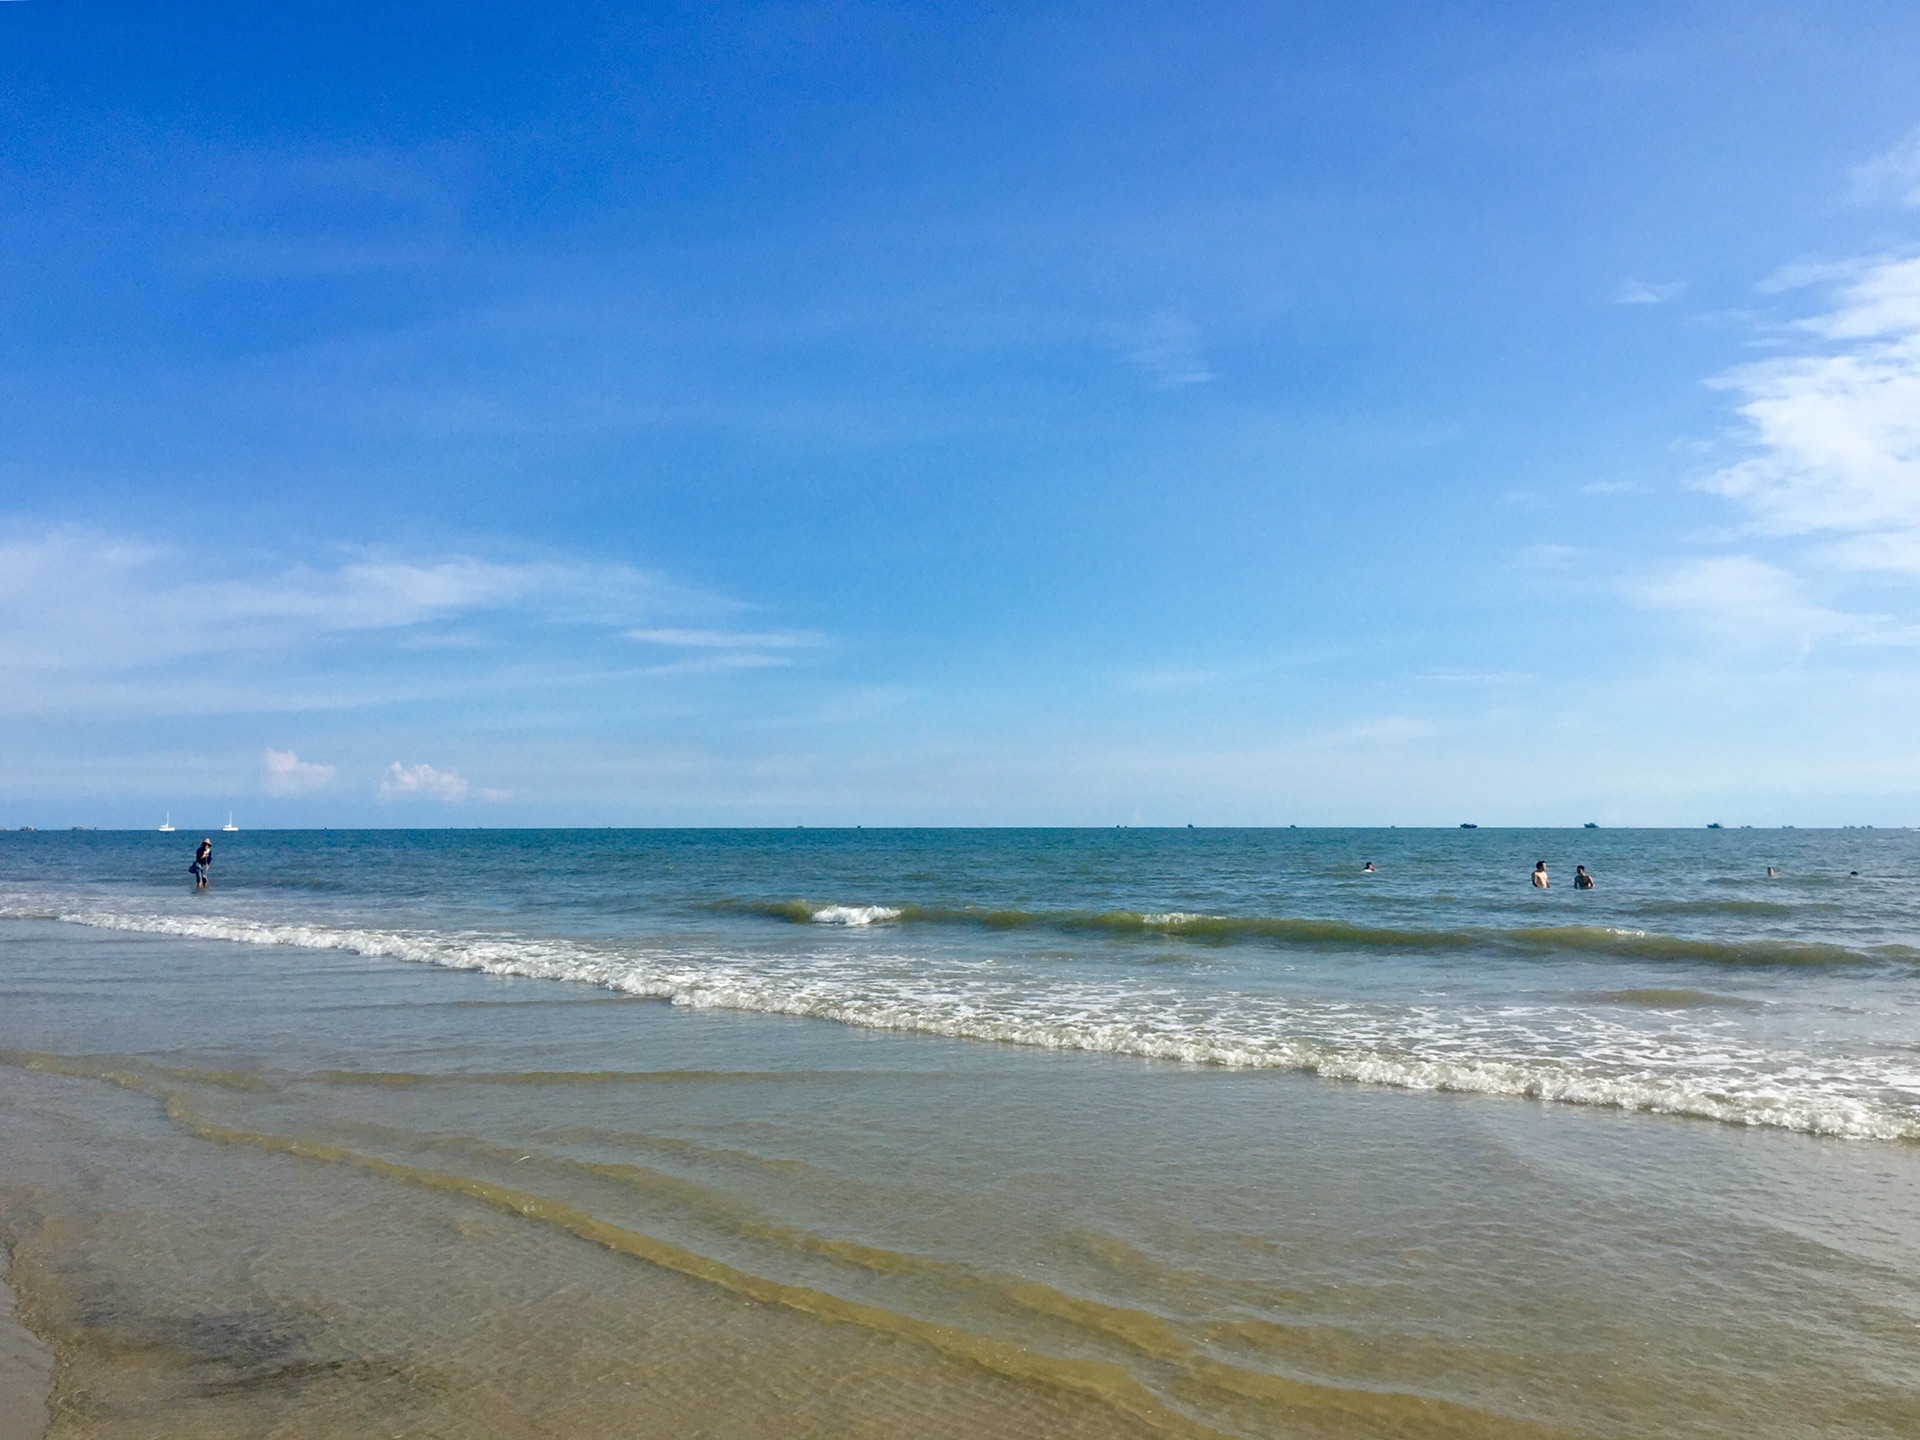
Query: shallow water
[316,1187]
[1688,982]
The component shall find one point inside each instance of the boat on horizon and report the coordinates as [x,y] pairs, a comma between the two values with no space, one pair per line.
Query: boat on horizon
[166,825]
[230,827]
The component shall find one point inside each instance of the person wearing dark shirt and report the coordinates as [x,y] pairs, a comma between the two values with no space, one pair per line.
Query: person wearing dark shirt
[202,863]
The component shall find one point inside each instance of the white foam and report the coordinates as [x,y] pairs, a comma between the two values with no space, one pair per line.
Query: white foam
[854,914]
[1562,1054]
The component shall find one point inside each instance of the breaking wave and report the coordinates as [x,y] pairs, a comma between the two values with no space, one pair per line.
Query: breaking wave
[1568,1054]
[1280,930]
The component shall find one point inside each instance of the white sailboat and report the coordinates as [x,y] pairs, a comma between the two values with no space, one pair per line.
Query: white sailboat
[230,827]
[166,825]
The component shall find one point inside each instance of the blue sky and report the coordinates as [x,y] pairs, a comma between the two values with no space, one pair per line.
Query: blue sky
[889,414]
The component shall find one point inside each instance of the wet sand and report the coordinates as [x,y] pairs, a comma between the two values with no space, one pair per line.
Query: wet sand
[26,1372]
[279,1191]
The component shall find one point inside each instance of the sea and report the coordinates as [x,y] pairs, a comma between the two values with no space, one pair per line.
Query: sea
[916,1132]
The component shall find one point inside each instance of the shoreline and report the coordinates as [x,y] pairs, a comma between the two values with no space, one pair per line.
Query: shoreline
[26,1370]
[380,1193]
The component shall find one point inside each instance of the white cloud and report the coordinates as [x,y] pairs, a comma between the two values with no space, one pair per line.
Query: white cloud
[727,639]
[1745,599]
[288,774]
[1646,292]
[1879,299]
[1477,677]
[1895,550]
[1546,556]
[1169,677]
[1802,273]
[496,797]
[77,599]
[74,599]
[1836,429]
[422,781]
[1891,178]
[1830,485]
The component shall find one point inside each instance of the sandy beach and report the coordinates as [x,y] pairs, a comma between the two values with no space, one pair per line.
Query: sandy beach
[26,1370]
[304,1191]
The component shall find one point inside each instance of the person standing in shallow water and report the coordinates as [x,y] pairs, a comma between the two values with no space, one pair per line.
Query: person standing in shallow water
[1540,881]
[1582,880]
[202,862]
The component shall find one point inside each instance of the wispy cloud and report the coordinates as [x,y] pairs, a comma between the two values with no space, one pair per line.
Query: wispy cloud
[1464,676]
[1546,556]
[1750,602]
[1170,678]
[423,782]
[288,774]
[106,622]
[1891,178]
[1835,429]
[1647,292]
[1167,349]
[729,639]
[1828,487]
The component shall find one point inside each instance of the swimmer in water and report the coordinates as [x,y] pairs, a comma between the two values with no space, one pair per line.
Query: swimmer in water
[1582,880]
[1367,869]
[1540,881]
[1771,872]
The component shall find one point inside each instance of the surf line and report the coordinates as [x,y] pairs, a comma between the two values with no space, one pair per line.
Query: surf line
[1101,1381]
[1289,931]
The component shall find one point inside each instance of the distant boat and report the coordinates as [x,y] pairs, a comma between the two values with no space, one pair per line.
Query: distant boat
[166,825]
[1716,825]
[230,827]
[1591,825]
[1468,825]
